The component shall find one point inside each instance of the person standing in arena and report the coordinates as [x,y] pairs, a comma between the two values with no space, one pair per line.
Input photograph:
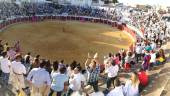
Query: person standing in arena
[39,80]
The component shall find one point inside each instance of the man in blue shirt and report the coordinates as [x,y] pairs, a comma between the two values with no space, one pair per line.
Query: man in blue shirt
[59,81]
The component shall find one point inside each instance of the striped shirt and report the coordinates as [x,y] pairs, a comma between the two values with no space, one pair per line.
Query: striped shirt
[93,74]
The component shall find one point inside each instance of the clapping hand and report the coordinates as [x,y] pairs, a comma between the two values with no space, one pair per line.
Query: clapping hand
[95,56]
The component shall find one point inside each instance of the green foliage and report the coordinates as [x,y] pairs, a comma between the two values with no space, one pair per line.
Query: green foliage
[115,1]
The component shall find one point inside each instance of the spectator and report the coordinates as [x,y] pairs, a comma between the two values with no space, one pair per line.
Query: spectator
[28,59]
[36,62]
[18,72]
[146,62]
[1,47]
[39,80]
[76,81]
[6,46]
[162,55]
[138,52]
[118,90]
[70,69]
[59,81]
[17,47]
[153,58]
[11,53]
[61,64]
[55,67]
[96,94]
[143,78]
[5,67]
[131,86]
[128,60]
[93,70]
[48,66]
[112,71]
[54,71]
[79,94]
[153,45]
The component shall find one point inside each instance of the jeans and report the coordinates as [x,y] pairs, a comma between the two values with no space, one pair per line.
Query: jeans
[141,87]
[5,78]
[52,91]
[94,85]
[145,66]
[138,57]
[109,81]
[27,66]
[69,92]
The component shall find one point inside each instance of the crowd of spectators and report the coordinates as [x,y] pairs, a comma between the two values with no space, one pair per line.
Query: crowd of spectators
[9,10]
[45,78]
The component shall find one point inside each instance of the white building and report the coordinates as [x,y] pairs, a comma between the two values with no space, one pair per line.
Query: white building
[72,2]
[6,0]
[81,2]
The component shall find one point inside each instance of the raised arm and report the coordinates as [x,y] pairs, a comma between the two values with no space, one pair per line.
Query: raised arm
[96,59]
[87,60]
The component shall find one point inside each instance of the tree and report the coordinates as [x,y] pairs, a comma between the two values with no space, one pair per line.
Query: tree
[110,1]
[114,1]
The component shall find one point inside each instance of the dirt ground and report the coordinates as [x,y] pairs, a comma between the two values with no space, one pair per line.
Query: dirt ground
[68,40]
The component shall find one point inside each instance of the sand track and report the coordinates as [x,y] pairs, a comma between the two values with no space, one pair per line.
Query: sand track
[67,40]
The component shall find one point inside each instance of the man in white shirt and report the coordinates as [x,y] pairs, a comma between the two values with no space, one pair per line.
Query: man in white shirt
[5,67]
[112,72]
[97,94]
[153,45]
[138,52]
[76,81]
[153,58]
[26,56]
[18,71]
[118,90]
[161,37]
[28,59]
[39,80]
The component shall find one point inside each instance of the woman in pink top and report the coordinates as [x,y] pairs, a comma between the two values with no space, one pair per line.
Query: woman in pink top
[116,59]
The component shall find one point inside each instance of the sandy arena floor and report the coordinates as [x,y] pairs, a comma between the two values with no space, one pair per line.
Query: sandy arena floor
[66,40]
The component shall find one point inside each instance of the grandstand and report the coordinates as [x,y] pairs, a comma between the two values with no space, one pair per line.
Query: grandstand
[148,52]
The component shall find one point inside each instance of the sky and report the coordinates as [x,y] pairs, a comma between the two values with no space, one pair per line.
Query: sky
[149,2]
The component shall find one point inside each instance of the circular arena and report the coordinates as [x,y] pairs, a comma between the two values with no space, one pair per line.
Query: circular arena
[66,40]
